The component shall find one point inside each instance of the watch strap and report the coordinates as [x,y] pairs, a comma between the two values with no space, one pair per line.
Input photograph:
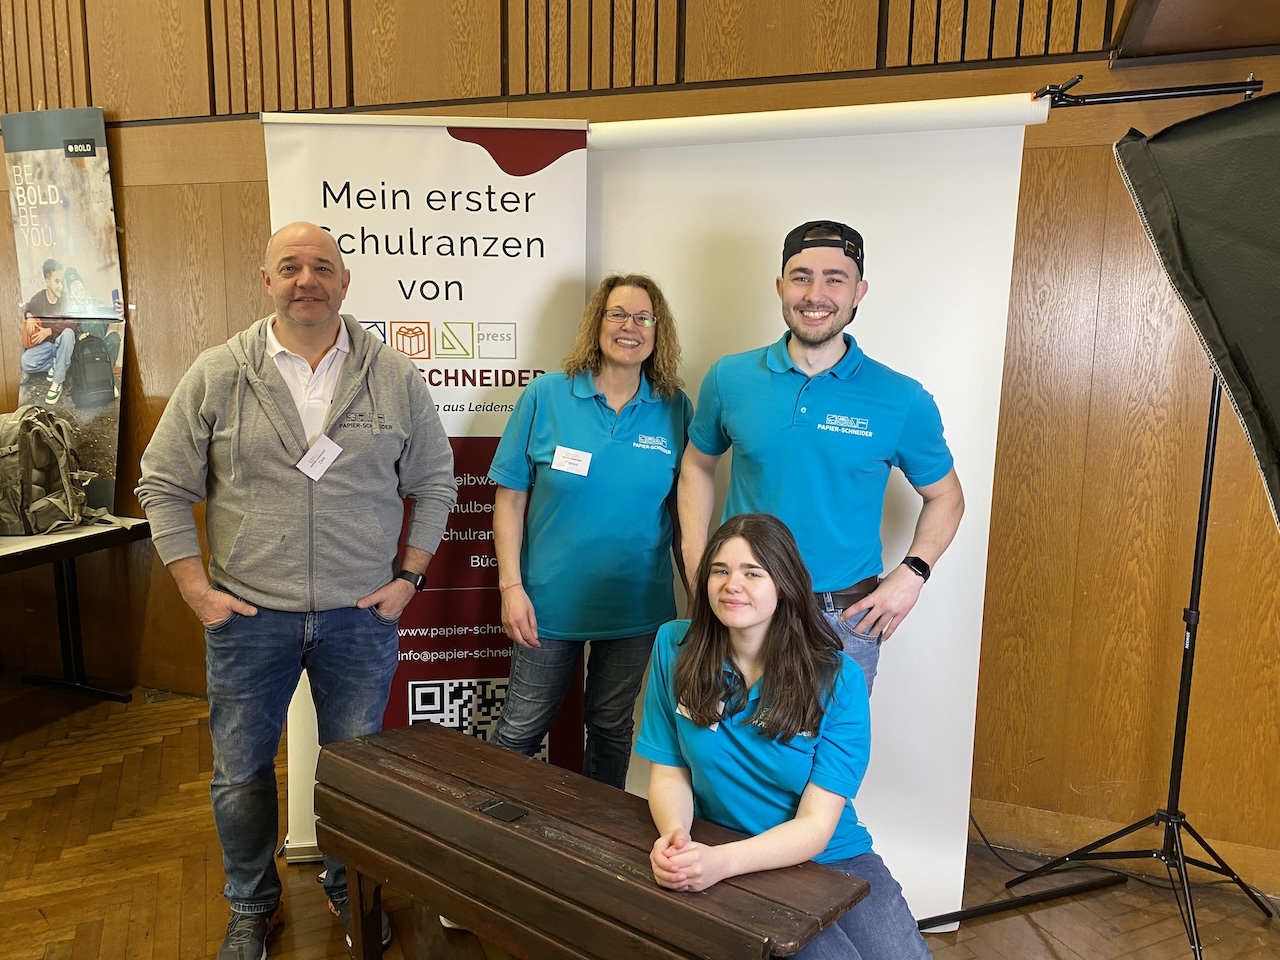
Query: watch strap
[918,567]
[418,580]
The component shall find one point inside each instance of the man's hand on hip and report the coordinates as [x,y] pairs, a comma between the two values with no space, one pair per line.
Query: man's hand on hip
[214,606]
[390,599]
[888,605]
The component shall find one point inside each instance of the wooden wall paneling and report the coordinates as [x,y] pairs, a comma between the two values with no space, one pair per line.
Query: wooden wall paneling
[222,42]
[536,46]
[716,47]
[164,154]
[624,53]
[517,52]
[1030,622]
[29,93]
[58,50]
[1062,27]
[8,58]
[601,44]
[1035,24]
[558,46]
[977,38]
[171,79]
[246,225]
[321,82]
[1233,741]
[339,49]
[1141,483]
[897,42]
[646,32]
[580,45]
[667,40]
[1093,24]
[925,32]
[254,69]
[286,56]
[268,45]
[430,50]
[44,76]
[297,51]
[737,39]
[1004,36]
[79,51]
[174,258]
[951,30]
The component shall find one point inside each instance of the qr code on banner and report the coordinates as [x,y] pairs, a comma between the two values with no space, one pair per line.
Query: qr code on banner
[469,706]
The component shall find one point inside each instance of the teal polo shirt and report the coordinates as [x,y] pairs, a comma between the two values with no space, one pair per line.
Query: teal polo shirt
[596,557]
[815,452]
[743,780]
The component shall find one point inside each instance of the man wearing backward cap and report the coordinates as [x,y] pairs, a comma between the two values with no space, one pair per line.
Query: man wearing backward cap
[815,426]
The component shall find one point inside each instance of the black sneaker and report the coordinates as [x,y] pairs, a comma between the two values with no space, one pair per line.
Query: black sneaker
[246,937]
[343,913]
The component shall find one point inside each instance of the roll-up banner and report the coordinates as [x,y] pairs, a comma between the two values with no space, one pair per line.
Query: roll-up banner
[466,245]
[72,306]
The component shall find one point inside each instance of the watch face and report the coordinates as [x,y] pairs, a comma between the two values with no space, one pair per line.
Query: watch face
[918,566]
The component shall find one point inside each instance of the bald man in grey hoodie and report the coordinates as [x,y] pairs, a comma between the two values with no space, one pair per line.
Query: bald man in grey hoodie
[302,435]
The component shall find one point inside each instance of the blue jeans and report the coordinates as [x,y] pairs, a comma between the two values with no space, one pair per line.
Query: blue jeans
[54,352]
[864,649]
[881,927]
[539,679]
[253,665]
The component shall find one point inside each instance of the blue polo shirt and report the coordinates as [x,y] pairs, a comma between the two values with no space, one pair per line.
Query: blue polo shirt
[596,557]
[745,781]
[815,452]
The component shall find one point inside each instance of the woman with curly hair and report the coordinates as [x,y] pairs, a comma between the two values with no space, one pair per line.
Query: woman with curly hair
[755,719]
[583,521]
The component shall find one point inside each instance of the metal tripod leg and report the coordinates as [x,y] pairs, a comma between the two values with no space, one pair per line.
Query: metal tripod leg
[1087,853]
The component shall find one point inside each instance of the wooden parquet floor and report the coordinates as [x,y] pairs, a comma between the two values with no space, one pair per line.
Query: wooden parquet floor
[107,850]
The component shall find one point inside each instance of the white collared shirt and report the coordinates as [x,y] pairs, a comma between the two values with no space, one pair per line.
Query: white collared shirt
[312,390]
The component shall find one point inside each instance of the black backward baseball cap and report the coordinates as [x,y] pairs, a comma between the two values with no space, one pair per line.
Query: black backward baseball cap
[849,240]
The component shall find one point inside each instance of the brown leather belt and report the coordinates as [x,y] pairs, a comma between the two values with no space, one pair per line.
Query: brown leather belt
[843,599]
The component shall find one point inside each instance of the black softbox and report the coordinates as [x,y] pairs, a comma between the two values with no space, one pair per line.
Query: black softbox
[1208,193]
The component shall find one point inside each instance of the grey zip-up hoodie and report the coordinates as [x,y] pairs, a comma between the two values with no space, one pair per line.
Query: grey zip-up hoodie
[231,436]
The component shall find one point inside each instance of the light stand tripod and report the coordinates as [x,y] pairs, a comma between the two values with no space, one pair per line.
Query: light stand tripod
[1171,851]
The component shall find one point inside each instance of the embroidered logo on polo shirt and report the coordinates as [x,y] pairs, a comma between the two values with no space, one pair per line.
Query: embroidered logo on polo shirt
[363,421]
[647,441]
[837,423]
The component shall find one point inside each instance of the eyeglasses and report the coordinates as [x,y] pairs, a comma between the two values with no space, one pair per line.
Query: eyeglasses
[642,319]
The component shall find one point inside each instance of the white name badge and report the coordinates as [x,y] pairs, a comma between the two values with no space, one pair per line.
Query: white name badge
[571,461]
[319,458]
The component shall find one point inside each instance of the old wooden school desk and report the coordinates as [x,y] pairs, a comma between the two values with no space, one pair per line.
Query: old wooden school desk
[425,808]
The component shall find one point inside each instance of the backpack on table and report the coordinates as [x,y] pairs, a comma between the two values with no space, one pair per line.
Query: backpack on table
[41,483]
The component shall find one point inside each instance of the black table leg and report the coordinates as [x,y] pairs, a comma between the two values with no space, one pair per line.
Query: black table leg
[68,602]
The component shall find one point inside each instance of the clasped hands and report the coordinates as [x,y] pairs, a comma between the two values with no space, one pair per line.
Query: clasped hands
[681,863]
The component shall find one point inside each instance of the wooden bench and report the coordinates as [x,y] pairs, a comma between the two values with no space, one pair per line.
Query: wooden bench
[421,809]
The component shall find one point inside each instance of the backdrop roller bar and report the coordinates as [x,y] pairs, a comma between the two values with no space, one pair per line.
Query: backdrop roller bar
[1058,96]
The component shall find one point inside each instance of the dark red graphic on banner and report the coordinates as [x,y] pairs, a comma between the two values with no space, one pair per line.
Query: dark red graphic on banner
[454,656]
[522,152]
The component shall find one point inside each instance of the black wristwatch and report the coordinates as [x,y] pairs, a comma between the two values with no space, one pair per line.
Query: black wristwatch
[918,567]
[419,580]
